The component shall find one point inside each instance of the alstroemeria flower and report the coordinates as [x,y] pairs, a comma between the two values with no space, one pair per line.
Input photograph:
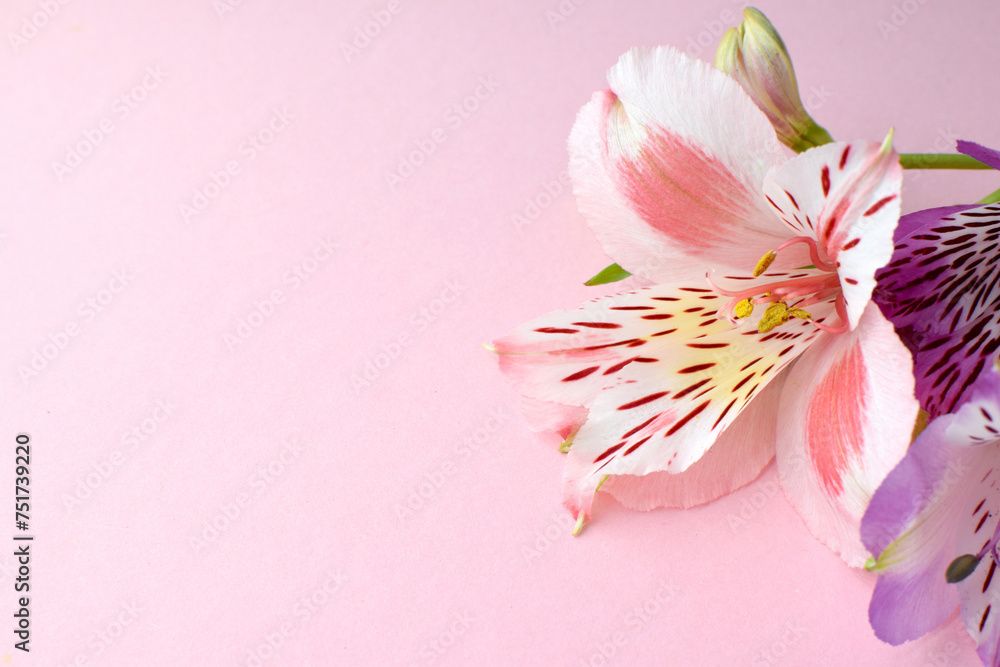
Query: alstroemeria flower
[940,503]
[682,392]
[942,292]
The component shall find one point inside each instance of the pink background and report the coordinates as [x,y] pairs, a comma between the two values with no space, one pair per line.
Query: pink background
[200,501]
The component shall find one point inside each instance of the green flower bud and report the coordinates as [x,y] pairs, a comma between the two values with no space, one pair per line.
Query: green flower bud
[756,57]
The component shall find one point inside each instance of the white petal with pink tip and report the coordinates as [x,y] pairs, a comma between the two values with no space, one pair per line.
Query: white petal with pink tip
[847,412]
[668,168]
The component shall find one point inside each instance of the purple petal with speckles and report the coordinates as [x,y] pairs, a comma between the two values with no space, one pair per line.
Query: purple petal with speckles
[941,291]
[911,223]
[981,153]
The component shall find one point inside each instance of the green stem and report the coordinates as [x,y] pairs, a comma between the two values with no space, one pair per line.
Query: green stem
[939,161]
[991,198]
[814,135]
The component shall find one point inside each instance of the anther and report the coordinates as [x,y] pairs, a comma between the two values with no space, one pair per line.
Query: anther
[776,313]
[960,568]
[764,263]
[801,314]
[743,308]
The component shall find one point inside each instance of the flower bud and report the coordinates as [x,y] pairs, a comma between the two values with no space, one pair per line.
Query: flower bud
[755,56]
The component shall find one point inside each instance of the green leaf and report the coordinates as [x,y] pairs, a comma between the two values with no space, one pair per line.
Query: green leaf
[991,198]
[611,274]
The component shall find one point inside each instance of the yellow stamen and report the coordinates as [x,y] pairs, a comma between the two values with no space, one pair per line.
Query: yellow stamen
[764,263]
[776,313]
[743,309]
[799,313]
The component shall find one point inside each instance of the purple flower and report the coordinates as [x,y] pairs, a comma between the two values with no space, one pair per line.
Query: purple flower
[933,523]
[936,513]
[942,293]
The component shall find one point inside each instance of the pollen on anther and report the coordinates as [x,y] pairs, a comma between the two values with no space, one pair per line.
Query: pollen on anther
[743,308]
[764,263]
[776,313]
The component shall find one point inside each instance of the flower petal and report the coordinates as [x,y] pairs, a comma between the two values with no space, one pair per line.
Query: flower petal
[912,223]
[977,426]
[846,196]
[847,414]
[668,165]
[664,415]
[569,356]
[944,274]
[981,153]
[942,291]
[910,526]
[941,501]
[979,593]
[552,417]
[736,459]
[946,366]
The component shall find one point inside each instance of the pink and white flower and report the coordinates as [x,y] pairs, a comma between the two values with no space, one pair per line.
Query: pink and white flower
[681,392]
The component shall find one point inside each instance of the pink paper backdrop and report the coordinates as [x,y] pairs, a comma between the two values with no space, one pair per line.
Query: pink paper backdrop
[263,428]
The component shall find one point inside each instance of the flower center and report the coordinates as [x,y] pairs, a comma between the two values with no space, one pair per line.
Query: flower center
[789,296]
